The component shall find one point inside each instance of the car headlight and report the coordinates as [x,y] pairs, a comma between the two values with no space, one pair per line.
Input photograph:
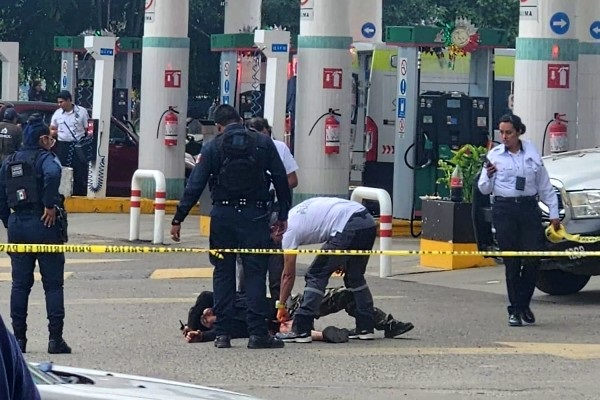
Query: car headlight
[585,204]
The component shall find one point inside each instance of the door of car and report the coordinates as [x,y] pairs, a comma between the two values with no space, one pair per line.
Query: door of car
[123,159]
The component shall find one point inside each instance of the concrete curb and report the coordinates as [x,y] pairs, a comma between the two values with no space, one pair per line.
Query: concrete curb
[117,205]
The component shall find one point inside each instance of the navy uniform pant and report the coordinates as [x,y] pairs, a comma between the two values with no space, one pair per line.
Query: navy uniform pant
[231,228]
[26,227]
[358,234]
[519,228]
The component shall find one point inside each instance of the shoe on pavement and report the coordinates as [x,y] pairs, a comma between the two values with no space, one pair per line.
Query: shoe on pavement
[515,320]
[22,345]
[58,346]
[291,336]
[528,317]
[362,335]
[333,334]
[264,342]
[394,329]
[222,342]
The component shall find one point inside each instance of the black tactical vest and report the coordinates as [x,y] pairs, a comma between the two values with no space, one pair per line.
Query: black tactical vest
[21,177]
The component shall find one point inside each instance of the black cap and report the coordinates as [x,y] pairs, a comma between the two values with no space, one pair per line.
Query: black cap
[10,114]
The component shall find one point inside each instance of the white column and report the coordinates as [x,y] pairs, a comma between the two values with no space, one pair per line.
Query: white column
[588,90]
[9,55]
[545,83]
[366,20]
[324,82]
[275,45]
[165,75]
[102,49]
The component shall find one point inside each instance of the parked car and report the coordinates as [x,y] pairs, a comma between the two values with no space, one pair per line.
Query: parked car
[123,146]
[66,383]
[575,176]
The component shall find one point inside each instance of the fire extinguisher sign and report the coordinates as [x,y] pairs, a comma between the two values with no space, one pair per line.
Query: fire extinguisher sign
[332,78]
[558,76]
[172,78]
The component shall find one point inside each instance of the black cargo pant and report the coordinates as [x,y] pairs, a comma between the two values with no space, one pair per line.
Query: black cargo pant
[519,228]
[26,227]
[358,234]
[336,300]
[239,228]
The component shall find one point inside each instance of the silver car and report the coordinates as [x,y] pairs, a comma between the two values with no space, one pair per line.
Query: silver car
[66,383]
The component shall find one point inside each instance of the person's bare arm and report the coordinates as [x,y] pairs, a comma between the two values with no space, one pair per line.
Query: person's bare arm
[292,180]
[288,277]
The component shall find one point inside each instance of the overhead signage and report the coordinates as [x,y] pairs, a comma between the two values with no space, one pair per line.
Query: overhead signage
[560,23]
[279,47]
[368,30]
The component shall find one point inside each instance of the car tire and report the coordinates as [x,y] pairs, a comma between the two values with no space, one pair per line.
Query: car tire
[560,283]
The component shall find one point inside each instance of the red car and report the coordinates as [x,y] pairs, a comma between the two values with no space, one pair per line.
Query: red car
[122,147]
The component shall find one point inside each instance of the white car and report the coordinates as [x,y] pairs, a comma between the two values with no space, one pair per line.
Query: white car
[65,383]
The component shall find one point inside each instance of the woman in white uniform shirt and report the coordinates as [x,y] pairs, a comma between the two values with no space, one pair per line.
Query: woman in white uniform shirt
[516,177]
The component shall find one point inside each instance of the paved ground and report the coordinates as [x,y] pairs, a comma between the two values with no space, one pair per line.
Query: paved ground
[120,319]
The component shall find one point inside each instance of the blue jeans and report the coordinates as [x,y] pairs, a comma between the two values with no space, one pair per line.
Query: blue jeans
[358,234]
[247,228]
[26,227]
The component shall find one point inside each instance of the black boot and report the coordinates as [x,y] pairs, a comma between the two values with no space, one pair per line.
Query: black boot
[22,342]
[58,346]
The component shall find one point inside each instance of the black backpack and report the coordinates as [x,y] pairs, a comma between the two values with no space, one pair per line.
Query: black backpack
[240,173]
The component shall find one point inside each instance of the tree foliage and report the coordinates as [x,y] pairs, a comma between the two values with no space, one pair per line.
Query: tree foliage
[34,23]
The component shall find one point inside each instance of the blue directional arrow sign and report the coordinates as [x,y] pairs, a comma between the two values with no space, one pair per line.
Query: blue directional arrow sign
[595,30]
[403,86]
[402,107]
[368,30]
[64,82]
[560,23]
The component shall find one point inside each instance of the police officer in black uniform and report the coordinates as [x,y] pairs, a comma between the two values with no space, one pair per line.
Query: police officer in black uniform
[29,182]
[235,164]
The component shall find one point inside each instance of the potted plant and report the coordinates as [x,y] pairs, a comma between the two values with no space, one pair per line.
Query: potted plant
[469,158]
[447,225]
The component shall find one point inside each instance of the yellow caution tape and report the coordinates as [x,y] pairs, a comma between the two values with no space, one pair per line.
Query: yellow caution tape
[85,248]
[557,236]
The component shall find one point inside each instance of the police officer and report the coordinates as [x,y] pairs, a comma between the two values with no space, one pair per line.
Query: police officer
[29,182]
[11,134]
[516,177]
[235,164]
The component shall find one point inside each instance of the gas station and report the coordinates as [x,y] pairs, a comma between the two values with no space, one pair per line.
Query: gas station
[372,107]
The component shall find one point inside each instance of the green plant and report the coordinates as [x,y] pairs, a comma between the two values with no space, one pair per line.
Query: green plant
[469,158]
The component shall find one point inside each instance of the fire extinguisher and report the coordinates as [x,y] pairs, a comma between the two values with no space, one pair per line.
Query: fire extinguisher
[372,140]
[332,135]
[171,122]
[287,136]
[559,140]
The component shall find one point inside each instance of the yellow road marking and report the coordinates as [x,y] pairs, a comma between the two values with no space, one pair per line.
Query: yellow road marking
[5,261]
[6,276]
[573,351]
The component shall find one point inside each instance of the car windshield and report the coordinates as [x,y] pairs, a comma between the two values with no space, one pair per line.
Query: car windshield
[43,378]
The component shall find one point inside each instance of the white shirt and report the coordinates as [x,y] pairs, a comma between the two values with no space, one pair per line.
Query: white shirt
[315,220]
[76,120]
[526,163]
[286,156]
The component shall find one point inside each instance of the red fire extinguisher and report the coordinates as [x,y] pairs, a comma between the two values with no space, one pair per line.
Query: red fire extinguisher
[559,140]
[171,122]
[332,135]
[372,141]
